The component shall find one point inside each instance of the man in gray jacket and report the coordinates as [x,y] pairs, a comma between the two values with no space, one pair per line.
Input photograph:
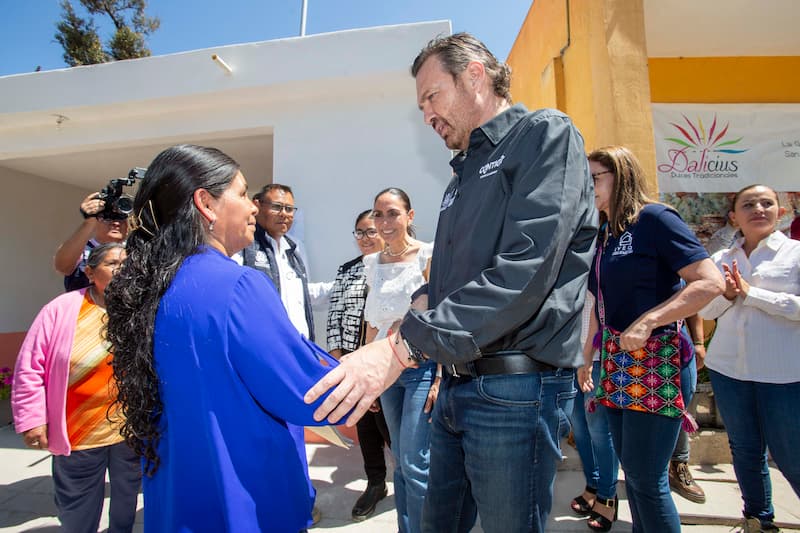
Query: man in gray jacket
[512,254]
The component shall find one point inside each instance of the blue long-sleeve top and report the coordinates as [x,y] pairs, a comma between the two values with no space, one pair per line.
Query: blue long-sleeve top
[232,371]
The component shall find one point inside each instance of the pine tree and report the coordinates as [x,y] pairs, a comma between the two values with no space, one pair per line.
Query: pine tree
[81,43]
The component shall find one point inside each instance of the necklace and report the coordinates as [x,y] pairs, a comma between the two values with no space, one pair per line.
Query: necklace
[390,253]
[93,295]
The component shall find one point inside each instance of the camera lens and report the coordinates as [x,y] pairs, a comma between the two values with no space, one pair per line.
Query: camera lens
[124,205]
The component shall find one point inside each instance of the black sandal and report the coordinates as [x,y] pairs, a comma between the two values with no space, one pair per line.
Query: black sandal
[601,523]
[579,505]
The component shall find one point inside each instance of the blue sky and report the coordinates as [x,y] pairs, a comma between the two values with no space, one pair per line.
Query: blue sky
[27,27]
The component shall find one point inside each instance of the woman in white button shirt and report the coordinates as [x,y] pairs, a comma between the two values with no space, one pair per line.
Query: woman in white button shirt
[753,358]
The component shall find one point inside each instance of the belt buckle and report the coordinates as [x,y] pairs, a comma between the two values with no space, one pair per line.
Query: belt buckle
[454,372]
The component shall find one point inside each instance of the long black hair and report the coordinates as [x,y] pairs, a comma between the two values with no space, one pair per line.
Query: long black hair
[166,228]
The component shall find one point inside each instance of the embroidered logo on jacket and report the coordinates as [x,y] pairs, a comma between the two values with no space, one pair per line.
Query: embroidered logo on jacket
[491,167]
[449,197]
[625,245]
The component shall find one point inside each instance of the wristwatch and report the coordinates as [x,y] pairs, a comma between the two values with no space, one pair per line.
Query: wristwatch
[414,353]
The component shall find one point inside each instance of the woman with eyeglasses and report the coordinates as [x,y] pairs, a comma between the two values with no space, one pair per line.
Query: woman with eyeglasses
[643,252]
[393,275]
[346,332]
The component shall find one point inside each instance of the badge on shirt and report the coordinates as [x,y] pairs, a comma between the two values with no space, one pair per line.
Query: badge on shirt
[624,246]
[261,258]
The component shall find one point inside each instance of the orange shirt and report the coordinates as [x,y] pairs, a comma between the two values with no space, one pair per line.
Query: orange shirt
[91,389]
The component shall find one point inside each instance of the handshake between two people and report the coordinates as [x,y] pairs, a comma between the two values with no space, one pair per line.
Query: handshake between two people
[362,376]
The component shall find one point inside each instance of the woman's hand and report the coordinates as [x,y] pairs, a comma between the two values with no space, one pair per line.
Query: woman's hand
[731,288]
[585,378]
[36,438]
[636,335]
[741,283]
[433,394]
[699,356]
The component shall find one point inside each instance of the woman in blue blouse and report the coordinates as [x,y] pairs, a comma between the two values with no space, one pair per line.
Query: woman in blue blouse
[199,356]
[646,250]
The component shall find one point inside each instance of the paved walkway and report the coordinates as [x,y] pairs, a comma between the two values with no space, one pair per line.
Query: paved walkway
[26,496]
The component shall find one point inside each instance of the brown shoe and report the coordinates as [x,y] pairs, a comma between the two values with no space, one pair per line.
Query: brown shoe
[682,482]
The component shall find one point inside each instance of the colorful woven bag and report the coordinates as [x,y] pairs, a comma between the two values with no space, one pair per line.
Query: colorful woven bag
[647,379]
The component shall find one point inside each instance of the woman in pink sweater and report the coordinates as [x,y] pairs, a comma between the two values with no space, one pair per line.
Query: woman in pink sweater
[62,402]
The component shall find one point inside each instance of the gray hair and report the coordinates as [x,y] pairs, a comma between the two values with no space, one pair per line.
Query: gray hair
[99,253]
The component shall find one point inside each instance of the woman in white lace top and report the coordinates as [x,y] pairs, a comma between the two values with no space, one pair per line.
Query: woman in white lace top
[392,276]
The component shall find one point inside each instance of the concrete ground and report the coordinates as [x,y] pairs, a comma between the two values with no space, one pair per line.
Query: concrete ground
[26,494]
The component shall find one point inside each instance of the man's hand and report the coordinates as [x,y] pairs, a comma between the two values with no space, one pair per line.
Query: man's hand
[36,438]
[92,205]
[358,380]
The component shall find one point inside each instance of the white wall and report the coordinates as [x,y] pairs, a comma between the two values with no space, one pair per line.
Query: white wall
[337,155]
[36,215]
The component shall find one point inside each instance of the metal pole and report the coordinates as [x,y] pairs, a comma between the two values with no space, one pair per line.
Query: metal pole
[303,14]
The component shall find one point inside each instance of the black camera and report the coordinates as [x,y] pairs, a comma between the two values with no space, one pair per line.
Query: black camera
[119,206]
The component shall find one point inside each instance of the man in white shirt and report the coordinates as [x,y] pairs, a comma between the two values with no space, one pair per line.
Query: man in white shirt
[275,254]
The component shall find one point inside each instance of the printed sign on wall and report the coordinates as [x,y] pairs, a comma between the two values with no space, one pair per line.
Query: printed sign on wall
[705,153]
[724,147]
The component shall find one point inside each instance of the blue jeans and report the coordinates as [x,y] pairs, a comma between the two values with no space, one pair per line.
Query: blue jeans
[79,480]
[758,416]
[644,443]
[495,449]
[593,440]
[410,433]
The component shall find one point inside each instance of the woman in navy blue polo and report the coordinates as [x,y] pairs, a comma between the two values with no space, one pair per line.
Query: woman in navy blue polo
[646,250]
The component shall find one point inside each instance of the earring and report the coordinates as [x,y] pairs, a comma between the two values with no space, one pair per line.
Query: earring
[211,226]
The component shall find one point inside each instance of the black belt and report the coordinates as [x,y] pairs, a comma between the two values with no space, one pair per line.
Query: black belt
[512,363]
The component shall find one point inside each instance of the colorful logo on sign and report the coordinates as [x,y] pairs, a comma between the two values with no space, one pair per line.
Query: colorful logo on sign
[700,153]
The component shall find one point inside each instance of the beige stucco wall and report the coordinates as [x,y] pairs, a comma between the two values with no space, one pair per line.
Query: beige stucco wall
[35,216]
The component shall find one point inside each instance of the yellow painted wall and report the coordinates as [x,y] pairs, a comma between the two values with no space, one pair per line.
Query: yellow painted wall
[725,80]
[588,58]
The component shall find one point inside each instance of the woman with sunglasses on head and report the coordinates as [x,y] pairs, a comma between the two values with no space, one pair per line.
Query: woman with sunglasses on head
[346,333]
[752,358]
[643,253]
[393,275]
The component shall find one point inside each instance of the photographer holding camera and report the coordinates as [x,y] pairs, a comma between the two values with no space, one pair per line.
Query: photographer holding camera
[105,219]
[98,227]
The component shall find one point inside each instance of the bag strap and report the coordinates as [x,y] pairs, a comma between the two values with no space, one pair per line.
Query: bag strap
[601,310]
